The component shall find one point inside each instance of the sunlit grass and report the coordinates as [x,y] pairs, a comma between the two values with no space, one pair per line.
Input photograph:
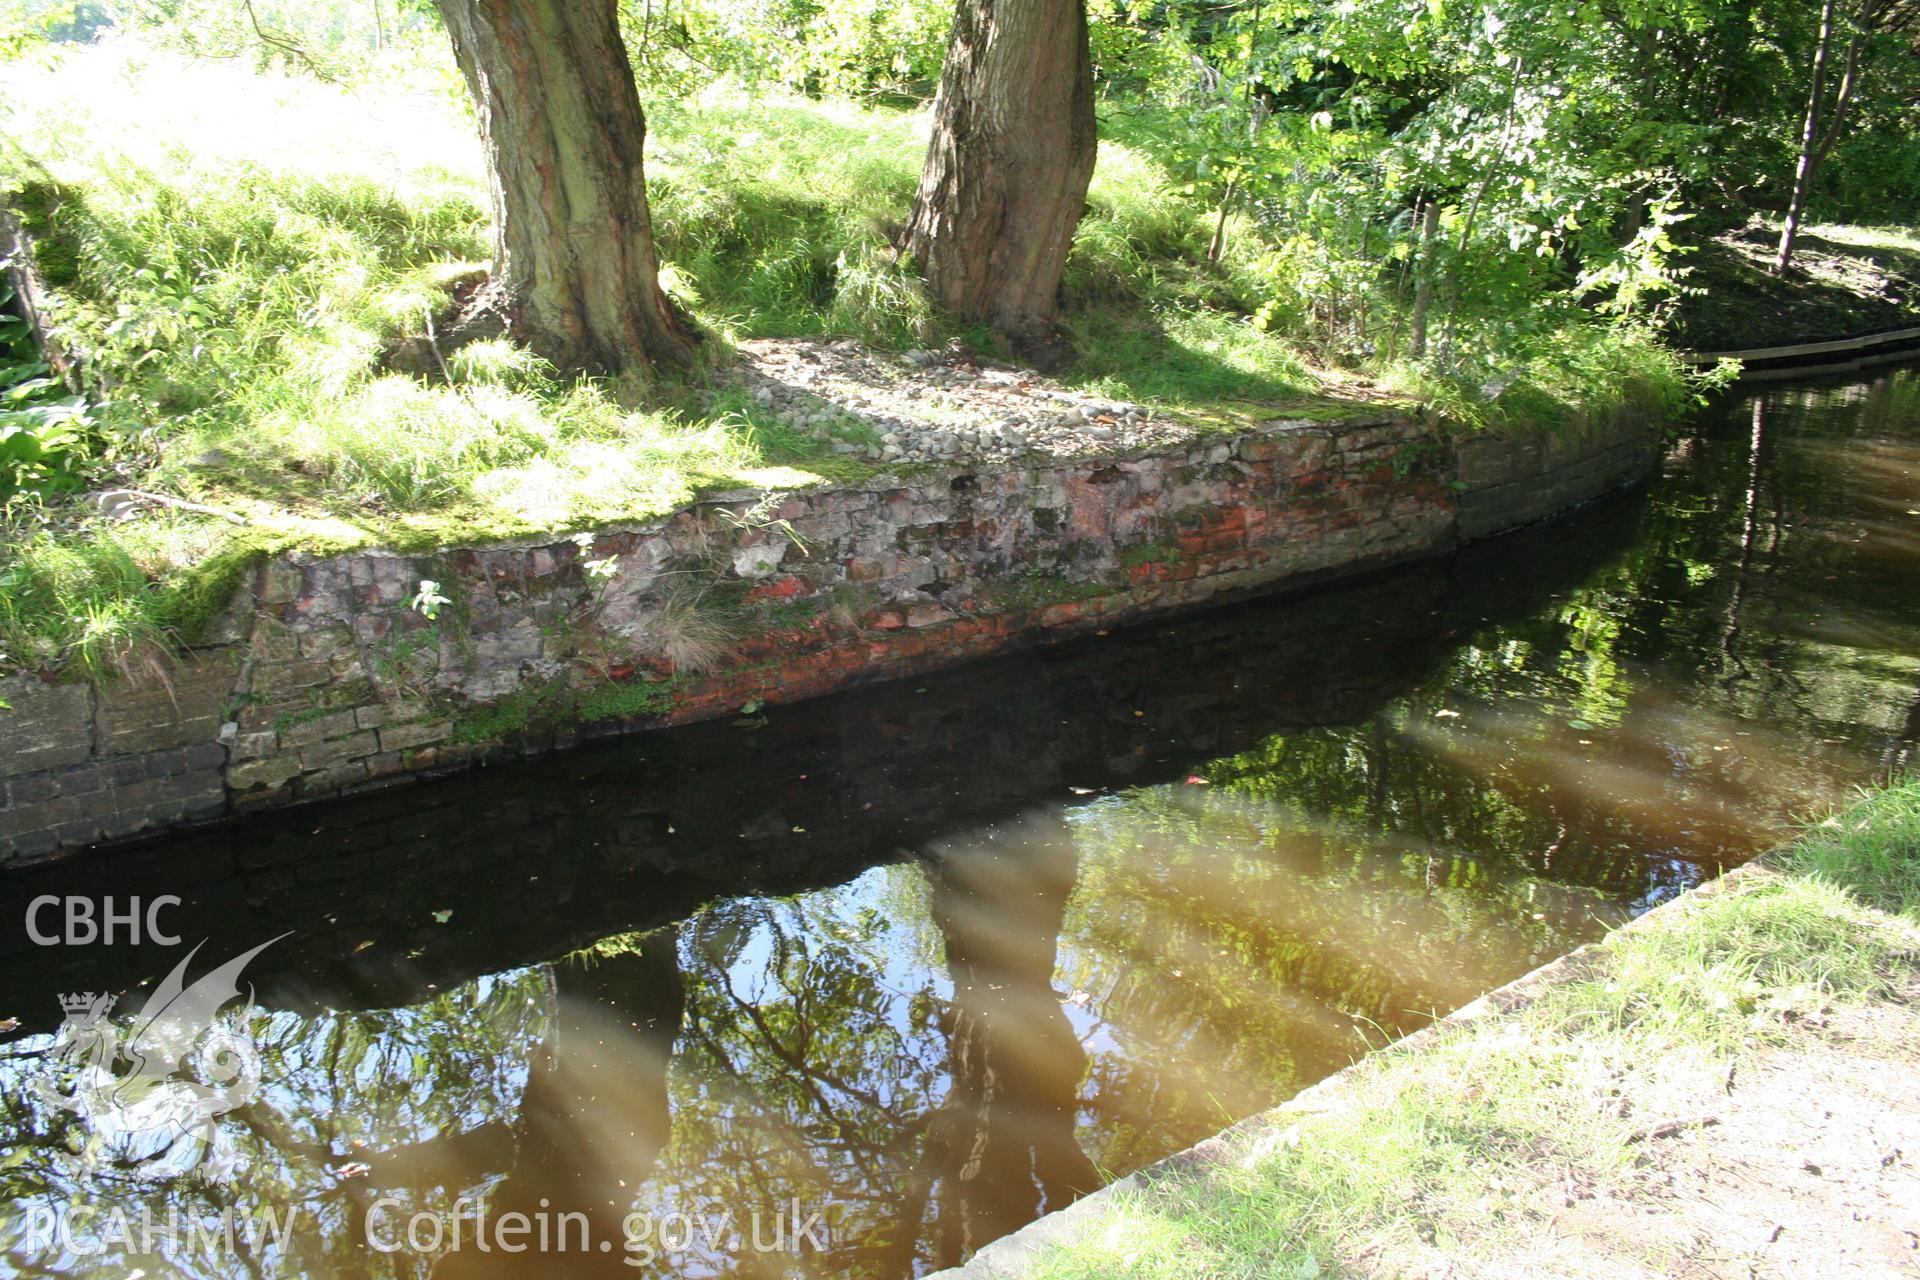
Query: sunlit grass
[111,594]
[1870,853]
[1906,238]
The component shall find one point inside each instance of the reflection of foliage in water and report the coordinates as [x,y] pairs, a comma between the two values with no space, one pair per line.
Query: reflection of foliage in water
[338,1088]
[1561,771]
[1235,948]
[810,1056]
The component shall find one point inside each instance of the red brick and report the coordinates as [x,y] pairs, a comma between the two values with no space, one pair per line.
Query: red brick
[1055,615]
[780,589]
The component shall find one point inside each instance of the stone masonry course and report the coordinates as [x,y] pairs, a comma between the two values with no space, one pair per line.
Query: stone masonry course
[333,675]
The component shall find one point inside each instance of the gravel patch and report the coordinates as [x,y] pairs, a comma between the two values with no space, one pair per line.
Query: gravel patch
[936,406]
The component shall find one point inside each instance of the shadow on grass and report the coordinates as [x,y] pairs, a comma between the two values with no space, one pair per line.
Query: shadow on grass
[1835,290]
[1204,357]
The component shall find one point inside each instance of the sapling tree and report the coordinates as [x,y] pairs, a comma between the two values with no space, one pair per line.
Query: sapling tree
[1849,32]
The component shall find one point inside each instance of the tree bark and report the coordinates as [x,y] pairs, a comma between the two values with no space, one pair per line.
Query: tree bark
[1824,123]
[1007,172]
[574,271]
[1423,281]
[1809,141]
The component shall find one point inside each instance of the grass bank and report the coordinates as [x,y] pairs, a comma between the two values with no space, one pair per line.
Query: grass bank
[1583,1133]
[233,253]
[1845,281]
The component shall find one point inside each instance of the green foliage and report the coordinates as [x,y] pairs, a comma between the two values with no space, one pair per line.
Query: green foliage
[774,214]
[235,243]
[1548,376]
[843,48]
[626,699]
[44,431]
[27,26]
[557,704]
[500,719]
[1870,852]
[1563,148]
[1163,551]
[330,40]
[427,601]
[234,253]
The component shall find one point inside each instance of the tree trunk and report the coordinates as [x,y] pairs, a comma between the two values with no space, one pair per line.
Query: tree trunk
[29,301]
[1007,172]
[1423,279]
[574,267]
[1849,81]
[1217,247]
[1809,141]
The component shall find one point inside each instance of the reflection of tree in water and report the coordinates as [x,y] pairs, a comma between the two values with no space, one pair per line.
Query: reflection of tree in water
[1581,742]
[1785,564]
[933,1117]
[594,1115]
[810,1065]
[1002,1149]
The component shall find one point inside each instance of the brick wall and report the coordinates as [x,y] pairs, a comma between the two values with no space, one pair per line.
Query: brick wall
[336,682]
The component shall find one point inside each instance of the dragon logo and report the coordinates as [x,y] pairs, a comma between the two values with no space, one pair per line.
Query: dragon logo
[149,1101]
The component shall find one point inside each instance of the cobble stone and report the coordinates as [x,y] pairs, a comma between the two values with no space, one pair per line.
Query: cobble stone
[327,754]
[404,737]
[318,728]
[271,772]
[178,705]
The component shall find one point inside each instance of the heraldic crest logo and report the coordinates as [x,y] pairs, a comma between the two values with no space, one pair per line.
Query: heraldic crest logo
[148,1088]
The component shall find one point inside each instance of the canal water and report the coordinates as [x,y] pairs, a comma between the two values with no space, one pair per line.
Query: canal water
[854,987]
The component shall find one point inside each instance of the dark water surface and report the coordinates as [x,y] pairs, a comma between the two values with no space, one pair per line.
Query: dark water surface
[930,960]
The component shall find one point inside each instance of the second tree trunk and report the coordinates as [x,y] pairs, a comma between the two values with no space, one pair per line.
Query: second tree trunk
[1007,172]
